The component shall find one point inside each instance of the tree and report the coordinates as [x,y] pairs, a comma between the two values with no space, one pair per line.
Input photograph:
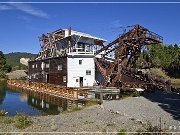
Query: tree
[4,68]
[2,60]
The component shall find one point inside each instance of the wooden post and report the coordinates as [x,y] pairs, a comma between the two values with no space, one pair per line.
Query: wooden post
[101,97]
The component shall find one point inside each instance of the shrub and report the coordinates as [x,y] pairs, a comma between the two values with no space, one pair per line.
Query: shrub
[22,121]
[2,74]
[2,113]
[136,94]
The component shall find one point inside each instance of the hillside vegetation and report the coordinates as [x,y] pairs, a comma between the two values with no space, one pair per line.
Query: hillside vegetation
[163,57]
[4,67]
[13,59]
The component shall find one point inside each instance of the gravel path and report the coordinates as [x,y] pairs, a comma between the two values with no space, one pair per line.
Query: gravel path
[158,108]
[130,113]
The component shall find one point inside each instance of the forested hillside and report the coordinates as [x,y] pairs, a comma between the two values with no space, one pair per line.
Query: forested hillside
[13,59]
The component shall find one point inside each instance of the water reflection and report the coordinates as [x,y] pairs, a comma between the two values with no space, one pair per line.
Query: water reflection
[15,102]
[2,91]
[44,106]
[23,98]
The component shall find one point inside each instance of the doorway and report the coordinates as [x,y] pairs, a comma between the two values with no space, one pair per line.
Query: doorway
[81,81]
[47,78]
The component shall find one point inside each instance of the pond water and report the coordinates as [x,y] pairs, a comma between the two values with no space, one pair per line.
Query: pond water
[15,102]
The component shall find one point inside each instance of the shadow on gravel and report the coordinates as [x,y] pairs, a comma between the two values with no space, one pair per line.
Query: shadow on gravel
[170,102]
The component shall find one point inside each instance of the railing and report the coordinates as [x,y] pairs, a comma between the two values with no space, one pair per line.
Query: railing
[55,90]
[155,36]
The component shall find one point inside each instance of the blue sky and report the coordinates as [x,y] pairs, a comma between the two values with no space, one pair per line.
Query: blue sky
[21,24]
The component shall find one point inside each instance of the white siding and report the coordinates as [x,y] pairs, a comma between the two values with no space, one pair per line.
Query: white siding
[75,71]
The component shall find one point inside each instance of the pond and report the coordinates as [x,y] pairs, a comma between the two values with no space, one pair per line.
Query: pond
[15,102]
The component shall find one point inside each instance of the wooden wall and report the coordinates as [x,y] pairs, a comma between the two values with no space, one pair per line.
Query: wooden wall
[49,75]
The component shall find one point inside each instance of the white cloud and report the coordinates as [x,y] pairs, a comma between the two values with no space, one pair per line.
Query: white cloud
[26,8]
[30,10]
[4,7]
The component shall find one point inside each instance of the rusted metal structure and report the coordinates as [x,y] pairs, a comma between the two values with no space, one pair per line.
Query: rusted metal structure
[126,50]
[75,59]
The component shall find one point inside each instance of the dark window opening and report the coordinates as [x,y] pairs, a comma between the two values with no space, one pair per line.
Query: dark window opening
[80,62]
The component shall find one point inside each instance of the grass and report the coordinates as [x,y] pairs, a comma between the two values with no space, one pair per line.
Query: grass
[8,120]
[88,103]
[159,72]
[71,110]
[91,102]
[122,132]
[20,121]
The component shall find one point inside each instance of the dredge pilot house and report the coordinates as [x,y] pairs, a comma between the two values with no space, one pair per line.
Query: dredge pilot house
[66,58]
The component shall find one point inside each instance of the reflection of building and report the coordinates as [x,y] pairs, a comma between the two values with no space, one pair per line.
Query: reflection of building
[66,58]
[23,98]
[44,106]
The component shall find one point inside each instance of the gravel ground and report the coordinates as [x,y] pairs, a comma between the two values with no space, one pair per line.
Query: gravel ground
[17,74]
[158,108]
[130,113]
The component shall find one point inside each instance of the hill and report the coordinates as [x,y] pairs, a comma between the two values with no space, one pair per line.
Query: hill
[13,59]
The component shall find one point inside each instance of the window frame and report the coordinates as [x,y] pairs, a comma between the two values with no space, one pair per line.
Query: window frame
[64,79]
[58,67]
[46,65]
[80,62]
[88,72]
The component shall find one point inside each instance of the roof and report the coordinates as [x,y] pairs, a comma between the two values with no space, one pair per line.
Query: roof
[85,35]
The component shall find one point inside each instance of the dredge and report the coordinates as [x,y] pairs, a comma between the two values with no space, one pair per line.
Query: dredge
[74,59]
[122,71]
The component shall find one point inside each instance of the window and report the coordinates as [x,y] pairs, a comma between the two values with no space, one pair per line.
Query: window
[47,65]
[64,78]
[88,72]
[32,66]
[60,67]
[42,65]
[77,80]
[80,62]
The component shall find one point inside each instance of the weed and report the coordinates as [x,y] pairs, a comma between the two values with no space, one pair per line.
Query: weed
[3,113]
[151,130]
[22,121]
[135,94]
[8,120]
[91,102]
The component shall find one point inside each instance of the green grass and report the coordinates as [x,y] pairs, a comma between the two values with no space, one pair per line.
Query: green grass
[122,132]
